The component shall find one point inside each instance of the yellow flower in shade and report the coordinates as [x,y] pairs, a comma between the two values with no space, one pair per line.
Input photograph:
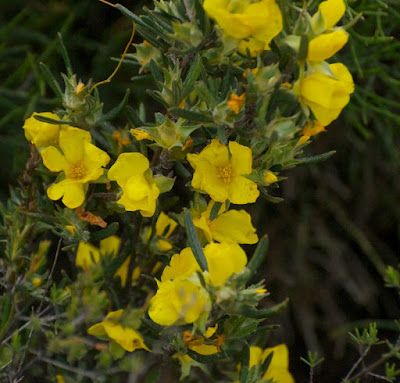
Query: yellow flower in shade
[178,302]
[270,177]
[332,11]
[141,135]
[164,228]
[221,172]
[326,95]
[223,259]
[42,134]
[80,161]
[87,254]
[236,102]
[230,226]
[326,45]
[60,379]
[123,270]
[133,175]
[312,128]
[278,370]
[129,339]
[253,24]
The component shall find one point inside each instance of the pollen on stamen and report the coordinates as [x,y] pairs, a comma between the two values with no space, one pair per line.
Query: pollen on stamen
[77,171]
[225,173]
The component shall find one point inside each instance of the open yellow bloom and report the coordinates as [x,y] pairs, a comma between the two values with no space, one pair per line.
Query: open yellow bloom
[87,254]
[133,175]
[223,259]
[253,24]
[177,302]
[126,337]
[230,226]
[220,172]
[80,161]
[236,102]
[327,95]
[326,45]
[42,134]
[278,370]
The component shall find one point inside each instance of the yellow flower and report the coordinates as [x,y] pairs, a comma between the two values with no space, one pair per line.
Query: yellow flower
[327,95]
[177,302]
[60,379]
[312,128]
[223,259]
[253,24]
[123,270]
[270,177]
[87,254]
[220,172]
[42,134]
[332,11]
[236,102]
[36,282]
[133,175]
[231,226]
[80,161]
[164,228]
[181,266]
[326,45]
[141,135]
[126,337]
[278,370]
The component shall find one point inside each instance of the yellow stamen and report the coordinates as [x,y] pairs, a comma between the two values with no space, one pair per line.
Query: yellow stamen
[225,173]
[77,171]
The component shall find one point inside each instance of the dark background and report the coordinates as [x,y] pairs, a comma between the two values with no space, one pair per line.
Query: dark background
[340,221]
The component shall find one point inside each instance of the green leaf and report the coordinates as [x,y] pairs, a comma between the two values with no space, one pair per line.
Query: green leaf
[270,198]
[133,117]
[226,82]
[194,241]
[165,184]
[259,255]
[52,120]
[65,55]
[118,109]
[192,76]
[104,233]
[266,363]
[51,81]
[158,77]
[215,210]
[315,159]
[204,359]
[244,369]
[189,115]
[265,313]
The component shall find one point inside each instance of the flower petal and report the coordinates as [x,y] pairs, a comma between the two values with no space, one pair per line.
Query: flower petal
[72,143]
[127,165]
[54,160]
[242,191]
[241,159]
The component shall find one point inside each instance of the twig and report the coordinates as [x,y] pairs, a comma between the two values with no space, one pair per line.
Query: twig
[355,365]
[40,306]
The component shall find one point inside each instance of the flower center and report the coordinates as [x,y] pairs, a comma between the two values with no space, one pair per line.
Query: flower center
[77,171]
[225,173]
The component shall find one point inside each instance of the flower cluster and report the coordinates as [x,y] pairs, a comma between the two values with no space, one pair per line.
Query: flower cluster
[168,250]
